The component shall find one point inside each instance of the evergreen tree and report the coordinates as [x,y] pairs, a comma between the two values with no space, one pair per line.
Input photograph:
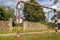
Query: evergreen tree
[33,13]
[3,14]
[6,12]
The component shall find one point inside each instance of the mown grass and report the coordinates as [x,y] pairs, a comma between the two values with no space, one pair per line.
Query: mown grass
[14,30]
[21,30]
[49,24]
[42,36]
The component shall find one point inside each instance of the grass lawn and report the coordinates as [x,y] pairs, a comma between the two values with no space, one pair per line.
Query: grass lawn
[21,30]
[13,31]
[44,36]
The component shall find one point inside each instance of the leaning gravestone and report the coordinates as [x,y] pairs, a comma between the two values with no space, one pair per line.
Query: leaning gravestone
[5,26]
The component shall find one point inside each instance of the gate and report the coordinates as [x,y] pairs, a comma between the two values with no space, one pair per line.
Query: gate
[54,10]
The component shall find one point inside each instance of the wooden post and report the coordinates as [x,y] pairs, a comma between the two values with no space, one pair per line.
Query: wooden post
[18,31]
[56,21]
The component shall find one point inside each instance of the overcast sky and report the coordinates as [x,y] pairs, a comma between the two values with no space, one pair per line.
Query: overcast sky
[47,3]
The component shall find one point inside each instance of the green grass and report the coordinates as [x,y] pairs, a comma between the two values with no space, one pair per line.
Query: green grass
[21,30]
[40,37]
[43,36]
[13,31]
[8,38]
[49,24]
[6,32]
[34,30]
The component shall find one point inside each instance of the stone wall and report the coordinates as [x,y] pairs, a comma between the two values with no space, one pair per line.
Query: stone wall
[33,26]
[5,26]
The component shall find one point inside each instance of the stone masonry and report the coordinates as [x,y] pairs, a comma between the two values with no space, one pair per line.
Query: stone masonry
[5,26]
[33,26]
